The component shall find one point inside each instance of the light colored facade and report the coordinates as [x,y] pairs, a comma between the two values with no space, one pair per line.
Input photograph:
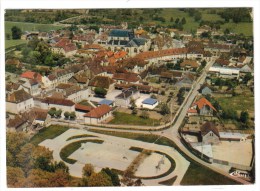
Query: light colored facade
[19,102]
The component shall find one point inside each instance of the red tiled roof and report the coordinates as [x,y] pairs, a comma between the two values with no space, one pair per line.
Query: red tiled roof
[156,54]
[207,127]
[191,63]
[83,107]
[98,112]
[202,102]
[192,111]
[58,101]
[128,77]
[18,96]
[32,75]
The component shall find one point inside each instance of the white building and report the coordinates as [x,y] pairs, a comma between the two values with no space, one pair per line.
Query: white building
[97,115]
[19,101]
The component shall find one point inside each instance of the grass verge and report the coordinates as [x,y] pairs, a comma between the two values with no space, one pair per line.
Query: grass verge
[129,119]
[138,136]
[48,133]
[80,136]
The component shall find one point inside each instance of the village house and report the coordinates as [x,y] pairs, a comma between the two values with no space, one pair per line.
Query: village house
[217,49]
[14,62]
[126,78]
[245,70]
[80,80]
[16,124]
[11,87]
[73,92]
[186,81]
[65,47]
[205,89]
[209,133]
[124,99]
[102,82]
[33,87]
[59,103]
[189,65]
[29,75]
[203,29]
[19,101]
[97,115]
[203,107]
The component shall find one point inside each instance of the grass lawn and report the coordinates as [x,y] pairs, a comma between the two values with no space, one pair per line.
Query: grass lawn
[13,43]
[245,28]
[200,175]
[129,119]
[48,133]
[30,27]
[72,147]
[237,103]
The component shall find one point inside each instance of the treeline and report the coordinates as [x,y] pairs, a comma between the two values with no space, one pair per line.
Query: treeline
[236,15]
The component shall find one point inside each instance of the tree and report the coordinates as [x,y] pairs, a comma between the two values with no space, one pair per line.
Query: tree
[144,115]
[134,111]
[87,170]
[165,109]
[24,158]
[101,92]
[8,36]
[16,32]
[14,145]
[99,179]
[15,177]
[247,78]
[197,16]
[244,116]
[52,112]
[183,21]
[203,63]
[72,115]
[113,175]
[177,20]
[67,115]
[58,113]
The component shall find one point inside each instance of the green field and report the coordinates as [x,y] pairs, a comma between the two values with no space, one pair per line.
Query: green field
[245,28]
[13,43]
[30,27]
[129,119]
[200,175]
[48,133]
[238,103]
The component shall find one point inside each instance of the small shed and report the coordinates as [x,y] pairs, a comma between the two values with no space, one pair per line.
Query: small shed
[150,103]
